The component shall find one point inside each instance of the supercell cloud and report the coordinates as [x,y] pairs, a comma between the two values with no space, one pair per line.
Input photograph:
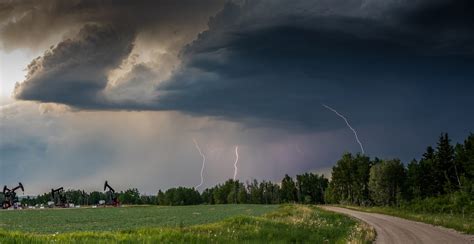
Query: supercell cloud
[400,70]
[261,61]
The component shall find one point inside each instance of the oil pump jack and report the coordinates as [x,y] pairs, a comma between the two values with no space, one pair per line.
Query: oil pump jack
[110,194]
[58,197]
[10,196]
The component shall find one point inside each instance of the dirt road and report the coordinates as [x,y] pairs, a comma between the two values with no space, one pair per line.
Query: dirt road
[397,230]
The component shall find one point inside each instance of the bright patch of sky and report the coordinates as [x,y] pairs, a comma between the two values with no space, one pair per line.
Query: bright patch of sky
[13,69]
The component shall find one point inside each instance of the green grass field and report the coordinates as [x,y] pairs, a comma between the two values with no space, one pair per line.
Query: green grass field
[458,222]
[125,218]
[196,224]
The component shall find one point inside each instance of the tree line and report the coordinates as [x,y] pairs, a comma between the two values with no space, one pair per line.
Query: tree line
[442,180]
[80,197]
[307,188]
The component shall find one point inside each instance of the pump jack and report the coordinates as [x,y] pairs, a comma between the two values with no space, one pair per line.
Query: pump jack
[10,196]
[58,197]
[111,196]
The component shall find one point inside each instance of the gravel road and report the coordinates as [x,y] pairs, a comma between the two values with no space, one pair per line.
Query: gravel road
[397,230]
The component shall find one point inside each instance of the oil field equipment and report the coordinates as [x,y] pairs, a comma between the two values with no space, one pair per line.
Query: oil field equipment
[10,198]
[59,197]
[110,195]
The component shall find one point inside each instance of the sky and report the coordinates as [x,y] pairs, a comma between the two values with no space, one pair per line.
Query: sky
[119,90]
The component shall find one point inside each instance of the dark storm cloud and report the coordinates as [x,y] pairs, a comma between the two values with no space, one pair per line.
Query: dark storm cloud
[277,61]
[283,68]
[440,14]
[447,23]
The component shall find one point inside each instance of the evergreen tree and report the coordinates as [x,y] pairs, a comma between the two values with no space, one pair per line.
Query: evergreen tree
[414,180]
[429,176]
[445,166]
[464,160]
[429,154]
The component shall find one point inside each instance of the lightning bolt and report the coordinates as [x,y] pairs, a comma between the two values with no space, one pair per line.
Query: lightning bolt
[348,125]
[236,161]
[203,162]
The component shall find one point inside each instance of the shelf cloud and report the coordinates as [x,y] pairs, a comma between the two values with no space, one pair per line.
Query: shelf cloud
[295,55]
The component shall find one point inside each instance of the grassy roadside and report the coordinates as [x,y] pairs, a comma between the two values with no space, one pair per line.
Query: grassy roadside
[454,221]
[289,223]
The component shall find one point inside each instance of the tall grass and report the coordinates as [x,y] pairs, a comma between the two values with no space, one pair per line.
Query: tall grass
[460,222]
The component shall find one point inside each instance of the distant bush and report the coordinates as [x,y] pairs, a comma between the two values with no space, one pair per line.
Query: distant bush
[458,202]
[179,196]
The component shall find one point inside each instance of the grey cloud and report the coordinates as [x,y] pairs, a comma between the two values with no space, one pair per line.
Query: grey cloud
[82,149]
[281,67]
[272,61]
[75,71]
[136,86]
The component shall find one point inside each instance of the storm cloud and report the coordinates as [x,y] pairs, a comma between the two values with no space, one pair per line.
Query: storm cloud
[262,61]
[255,66]
[142,78]
[99,43]
[75,70]
[29,23]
